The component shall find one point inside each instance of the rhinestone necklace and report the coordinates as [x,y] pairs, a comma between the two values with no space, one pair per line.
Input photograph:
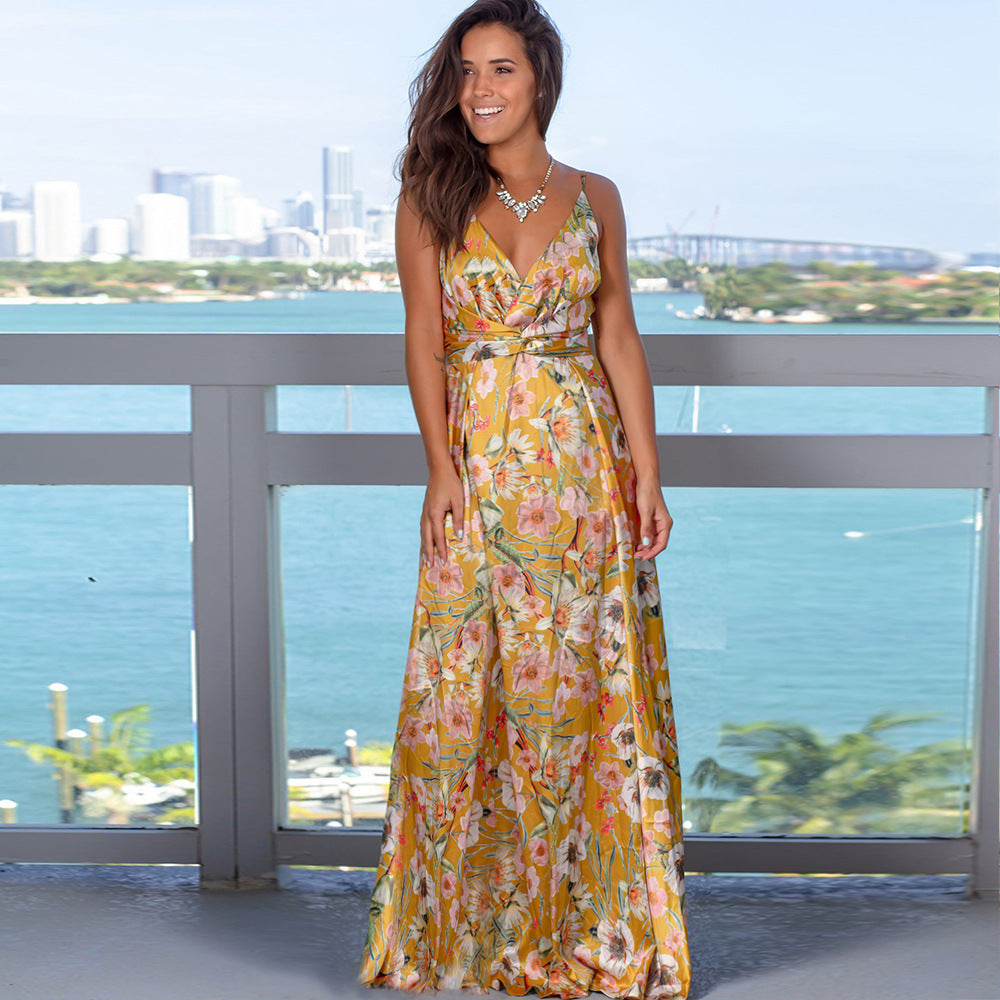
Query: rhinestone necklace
[520,208]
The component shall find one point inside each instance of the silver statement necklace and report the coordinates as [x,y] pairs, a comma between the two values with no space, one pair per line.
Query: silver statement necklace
[520,208]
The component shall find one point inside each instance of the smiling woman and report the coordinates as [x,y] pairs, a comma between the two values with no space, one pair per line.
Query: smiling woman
[533,831]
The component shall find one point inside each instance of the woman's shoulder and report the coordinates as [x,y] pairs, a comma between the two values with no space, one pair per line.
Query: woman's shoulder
[603,195]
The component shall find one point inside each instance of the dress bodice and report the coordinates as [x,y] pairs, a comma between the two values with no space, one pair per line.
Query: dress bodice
[488,309]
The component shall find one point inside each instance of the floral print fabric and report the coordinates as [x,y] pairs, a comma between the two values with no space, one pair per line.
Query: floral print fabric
[532,839]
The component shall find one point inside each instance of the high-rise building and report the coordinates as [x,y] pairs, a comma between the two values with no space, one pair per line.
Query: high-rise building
[248,223]
[380,224]
[213,204]
[300,211]
[55,208]
[162,228]
[108,238]
[172,182]
[358,209]
[338,188]
[16,236]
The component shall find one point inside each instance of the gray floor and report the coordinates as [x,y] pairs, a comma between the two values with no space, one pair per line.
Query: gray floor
[132,933]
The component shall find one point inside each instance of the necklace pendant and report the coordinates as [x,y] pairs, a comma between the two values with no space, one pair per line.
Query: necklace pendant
[520,208]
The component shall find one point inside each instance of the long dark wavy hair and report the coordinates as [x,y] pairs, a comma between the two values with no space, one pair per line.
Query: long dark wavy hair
[443,169]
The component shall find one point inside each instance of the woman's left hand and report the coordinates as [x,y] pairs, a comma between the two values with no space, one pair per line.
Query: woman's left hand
[655,521]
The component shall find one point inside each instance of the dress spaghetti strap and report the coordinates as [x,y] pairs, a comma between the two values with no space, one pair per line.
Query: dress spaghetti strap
[583,180]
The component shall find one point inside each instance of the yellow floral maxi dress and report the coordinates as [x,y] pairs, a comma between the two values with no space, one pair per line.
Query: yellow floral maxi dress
[532,839]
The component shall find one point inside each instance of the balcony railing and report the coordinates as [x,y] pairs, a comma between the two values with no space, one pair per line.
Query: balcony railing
[234,457]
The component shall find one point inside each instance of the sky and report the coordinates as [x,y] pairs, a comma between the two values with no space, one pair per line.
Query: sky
[868,121]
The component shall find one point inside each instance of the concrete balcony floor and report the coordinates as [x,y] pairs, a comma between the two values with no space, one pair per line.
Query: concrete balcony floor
[124,932]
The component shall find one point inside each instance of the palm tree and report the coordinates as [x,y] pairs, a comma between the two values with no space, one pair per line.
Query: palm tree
[123,759]
[852,784]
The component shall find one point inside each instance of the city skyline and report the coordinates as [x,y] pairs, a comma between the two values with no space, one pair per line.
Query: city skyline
[796,124]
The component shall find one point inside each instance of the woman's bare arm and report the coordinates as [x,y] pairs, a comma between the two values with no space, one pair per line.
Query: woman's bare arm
[426,372]
[417,264]
[623,358]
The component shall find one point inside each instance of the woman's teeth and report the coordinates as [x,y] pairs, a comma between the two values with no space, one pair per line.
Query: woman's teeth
[488,113]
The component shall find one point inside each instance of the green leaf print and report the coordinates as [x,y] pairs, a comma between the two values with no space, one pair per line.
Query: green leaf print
[493,446]
[470,611]
[505,548]
[491,514]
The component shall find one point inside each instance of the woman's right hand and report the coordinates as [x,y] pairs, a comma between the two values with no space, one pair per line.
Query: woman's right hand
[444,495]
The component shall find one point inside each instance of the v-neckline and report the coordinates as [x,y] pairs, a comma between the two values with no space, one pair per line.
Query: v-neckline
[507,261]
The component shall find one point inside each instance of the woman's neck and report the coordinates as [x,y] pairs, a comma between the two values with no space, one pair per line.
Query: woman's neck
[521,165]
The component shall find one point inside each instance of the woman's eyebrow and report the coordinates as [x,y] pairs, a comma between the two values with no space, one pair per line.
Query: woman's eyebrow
[500,60]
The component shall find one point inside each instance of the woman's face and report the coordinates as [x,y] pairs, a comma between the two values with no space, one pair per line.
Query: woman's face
[499,80]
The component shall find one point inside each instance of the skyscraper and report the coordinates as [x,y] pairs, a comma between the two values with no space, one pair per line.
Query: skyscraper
[58,233]
[338,188]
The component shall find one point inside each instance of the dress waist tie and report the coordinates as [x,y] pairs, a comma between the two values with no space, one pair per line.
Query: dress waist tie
[556,345]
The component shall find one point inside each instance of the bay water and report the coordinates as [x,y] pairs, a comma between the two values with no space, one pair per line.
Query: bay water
[820,606]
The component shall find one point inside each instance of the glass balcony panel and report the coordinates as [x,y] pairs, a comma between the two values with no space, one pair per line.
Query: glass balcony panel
[711,409]
[95,597]
[820,645]
[93,408]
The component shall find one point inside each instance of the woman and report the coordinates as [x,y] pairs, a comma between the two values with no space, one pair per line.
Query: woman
[532,839]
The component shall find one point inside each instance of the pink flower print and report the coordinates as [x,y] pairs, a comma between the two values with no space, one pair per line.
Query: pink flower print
[657,899]
[479,468]
[623,528]
[650,844]
[526,758]
[460,290]
[519,318]
[574,501]
[473,634]
[546,280]
[534,882]
[587,457]
[534,604]
[458,719]
[519,399]
[560,702]
[409,732]
[538,850]
[448,308]
[586,281]
[674,940]
[560,253]
[531,671]
[487,377]
[587,687]
[508,580]
[565,661]
[610,775]
[650,659]
[574,240]
[578,315]
[533,965]
[536,515]
[598,528]
[447,577]
[526,365]
[663,822]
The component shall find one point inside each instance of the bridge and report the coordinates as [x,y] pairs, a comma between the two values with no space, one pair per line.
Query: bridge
[748,251]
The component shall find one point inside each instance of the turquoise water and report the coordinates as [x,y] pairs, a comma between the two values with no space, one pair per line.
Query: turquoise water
[772,610]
